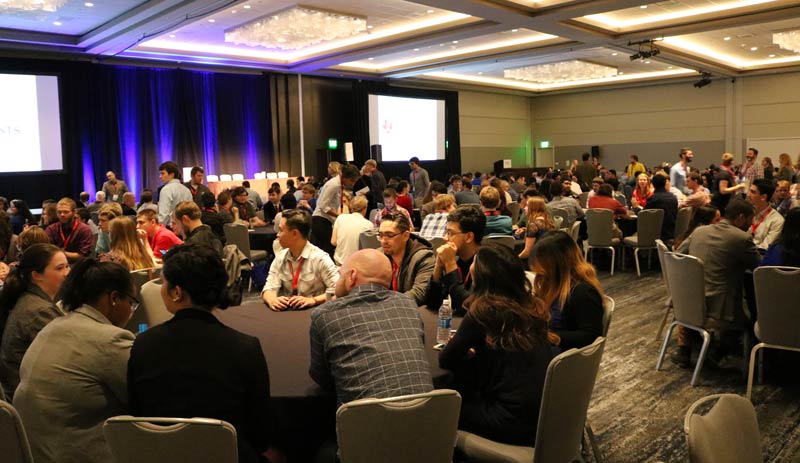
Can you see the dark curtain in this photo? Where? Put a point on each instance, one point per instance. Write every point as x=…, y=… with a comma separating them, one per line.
x=436, y=169
x=130, y=120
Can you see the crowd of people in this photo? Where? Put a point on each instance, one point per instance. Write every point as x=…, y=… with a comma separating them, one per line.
x=67, y=362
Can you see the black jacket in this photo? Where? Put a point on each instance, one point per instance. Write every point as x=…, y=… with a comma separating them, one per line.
x=663, y=199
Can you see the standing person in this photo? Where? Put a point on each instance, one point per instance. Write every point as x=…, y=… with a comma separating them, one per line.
x=171, y=193
x=69, y=233
x=195, y=185
x=634, y=167
x=330, y=204
x=411, y=257
x=724, y=184
x=348, y=228
x=500, y=353
x=785, y=170
x=768, y=222
x=73, y=377
x=418, y=179
x=585, y=172
x=769, y=169
x=27, y=304
x=114, y=188
x=752, y=169
x=680, y=171
x=376, y=177
x=211, y=370
x=161, y=239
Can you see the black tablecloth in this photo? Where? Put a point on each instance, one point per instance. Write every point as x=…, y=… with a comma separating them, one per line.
x=262, y=237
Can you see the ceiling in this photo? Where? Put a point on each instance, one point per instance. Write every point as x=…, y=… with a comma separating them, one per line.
x=464, y=42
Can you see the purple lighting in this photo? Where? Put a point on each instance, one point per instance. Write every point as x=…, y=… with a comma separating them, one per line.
x=129, y=128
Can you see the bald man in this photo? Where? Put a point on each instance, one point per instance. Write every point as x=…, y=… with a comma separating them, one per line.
x=369, y=341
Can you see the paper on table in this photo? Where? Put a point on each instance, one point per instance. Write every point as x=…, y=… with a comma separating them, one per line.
x=362, y=191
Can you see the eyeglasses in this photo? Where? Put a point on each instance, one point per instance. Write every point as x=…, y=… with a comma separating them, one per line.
x=133, y=302
x=448, y=233
x=388, y=235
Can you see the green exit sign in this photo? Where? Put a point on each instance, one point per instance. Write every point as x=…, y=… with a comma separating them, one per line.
x=333, y=143
x=544, y=144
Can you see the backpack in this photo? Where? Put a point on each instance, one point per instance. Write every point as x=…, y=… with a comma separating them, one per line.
x=235, y=264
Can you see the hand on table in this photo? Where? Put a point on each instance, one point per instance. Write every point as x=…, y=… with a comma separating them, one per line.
x=302, y=302
x=277, y=303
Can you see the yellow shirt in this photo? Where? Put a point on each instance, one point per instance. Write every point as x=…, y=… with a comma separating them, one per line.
x=633, y=168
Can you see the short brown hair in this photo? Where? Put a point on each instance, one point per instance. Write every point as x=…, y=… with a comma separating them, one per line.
x=112, y=207
x=490, y=197
x=67, y=202
x=187, y=208
x=443, y=202
x=309, y=188
x=148, y=214
x=399, y=219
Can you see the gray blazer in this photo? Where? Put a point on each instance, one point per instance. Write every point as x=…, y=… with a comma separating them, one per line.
x=74, y=377
x=727, y=252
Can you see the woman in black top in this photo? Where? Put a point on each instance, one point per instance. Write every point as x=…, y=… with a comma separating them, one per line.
x=193, y=365
x=500, y=353
x=569, y=287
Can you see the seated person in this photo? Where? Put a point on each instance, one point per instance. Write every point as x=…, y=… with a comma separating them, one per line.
x=434, y=225
x=435, y=189
x=212, y=217
x=69, y=233
x=73, y=377
x=404, y=200
x=244, y=210
x=560, y=200
x=539, y=224
x=496, y=224
x=104, y=218
x=348, y=227
x=451, y=276
x=604, y=199
x=309, y=200
x=569, y=287
x=500, y=353
x=129, y=247
x=768, y=222
x=301, y=272
x=193, y=365
x=666, y=201
x=273, y=205
x=698, y=194
x=368, y=332
x=186, y=221
x=411, y=259
x=785, y=251
x=161, y=239
x=390, y=206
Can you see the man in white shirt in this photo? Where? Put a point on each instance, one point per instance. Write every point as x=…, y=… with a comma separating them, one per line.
x=301, y=272
x=171, y=193
x=330, y=204
x=767, y=223
x=348, y=228
x=679, y=172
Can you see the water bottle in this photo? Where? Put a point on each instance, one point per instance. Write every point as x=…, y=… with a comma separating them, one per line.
x=445, y=320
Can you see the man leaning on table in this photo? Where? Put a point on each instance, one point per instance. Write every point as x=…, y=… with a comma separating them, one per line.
x=301, y=272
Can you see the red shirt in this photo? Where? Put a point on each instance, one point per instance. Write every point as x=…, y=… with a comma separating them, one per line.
x=163, y=240
x=606, y=202
x=405, y=202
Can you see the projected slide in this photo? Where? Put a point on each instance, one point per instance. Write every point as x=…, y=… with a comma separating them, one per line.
x=407, y=127
x=30, y=129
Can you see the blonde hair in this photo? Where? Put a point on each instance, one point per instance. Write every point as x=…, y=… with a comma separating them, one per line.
x=443, y=202
x=358, y=204
x=112, y=207
x=490, y=197
x=335, y=168
x=127, y=246
x=784, y=160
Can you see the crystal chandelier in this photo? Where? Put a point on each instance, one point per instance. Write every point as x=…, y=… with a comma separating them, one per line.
x=295, y=28
x=564, y=71
x=788, y=40
x=32, y=5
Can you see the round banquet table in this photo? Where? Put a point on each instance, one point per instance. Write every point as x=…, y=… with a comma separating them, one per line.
x=303, y=412
x=261, y=238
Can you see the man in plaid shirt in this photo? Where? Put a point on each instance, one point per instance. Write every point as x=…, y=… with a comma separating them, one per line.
x=752, y=169
x=369, y=341
x=435, y=225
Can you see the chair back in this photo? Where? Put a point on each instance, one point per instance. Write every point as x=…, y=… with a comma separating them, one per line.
x=682, y=221
x=237, y=177
x=212, y=178
x=142, y=276
x=237, y=234
x=153, y=311
x=575, y=231
x=608, y=312
x=558, y=212
x=14, y=445
x=505, y=240
x=599, y=225
x=436, y=242
x=567, y=391
x=687, y=287
x=368, y=239
x=557, y=221
x=167, y=440
x=648, y=227
x=583, y=199
x=662, y=249
x=514, y=208
x=225, y=178
x=777, y=293
x=728, y=432
x=620, y=197
x=419, y=427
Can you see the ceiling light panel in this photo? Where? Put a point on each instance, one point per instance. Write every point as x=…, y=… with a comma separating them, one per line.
x=74, y=17
x=384, y=19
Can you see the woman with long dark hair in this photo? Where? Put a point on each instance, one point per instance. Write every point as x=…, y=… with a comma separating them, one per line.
x=570, y=289
x=5, y=236
x=20, y=216
x=73, y=377
x=501, y=351
x=785, y=251
x=27, y=304
x=212, y=371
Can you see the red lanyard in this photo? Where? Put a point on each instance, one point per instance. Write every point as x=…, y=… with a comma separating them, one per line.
x=296, y=275
x=115, y=186
x=193, y=190
x=395, y=275
x=466, y=280
x=489, y=213
x=66, y=239
x=341, y=198
x=210, y=210
x=755, y=225
x=243, y=211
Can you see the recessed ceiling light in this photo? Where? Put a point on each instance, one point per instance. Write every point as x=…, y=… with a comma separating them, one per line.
x=669, y=67
x=620, y=73
x=753, y=48
x=416, y=49
x=172, y=36
x=369, y=27
x=211, y=20
x=644, y=7
x=514, y=30
x=772, y=56
x=370, y=59
x=246, y=7
x=56, y=23
x=480, y=73
x=726, y=38
x=88, y=4
x=647, y=62
x=430, y=11
x=233, y=11
x=614, y=54
x=455, y=41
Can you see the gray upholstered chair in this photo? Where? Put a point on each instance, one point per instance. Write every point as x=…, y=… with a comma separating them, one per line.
x=237, y=234
x=778, y=327
x=152, y=312
x=567, y=391
x=727, y=433
x=557, y=222
x=599, y=225
x=14, y=446
x=687, y=286
x=682, y=220
x=505, y=240
x=436, y=242
x=608, y=312
x=558, y=212
x=662, y=249
x=419, y=427
x=167, y=440
x=648, y=230
x=514, y=208
x=368, y=239
x=620, y=197
x=583, y=199
x=575, y=231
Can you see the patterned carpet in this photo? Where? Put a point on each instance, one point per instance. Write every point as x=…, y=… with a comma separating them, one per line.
x=637, y=413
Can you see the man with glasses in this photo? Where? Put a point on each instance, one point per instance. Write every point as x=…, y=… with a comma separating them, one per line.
x=411, y=259
x=244, y=210
x=465, y=229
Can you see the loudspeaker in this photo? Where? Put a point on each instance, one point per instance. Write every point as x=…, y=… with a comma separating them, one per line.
x=595, y=151
x=375, y=153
